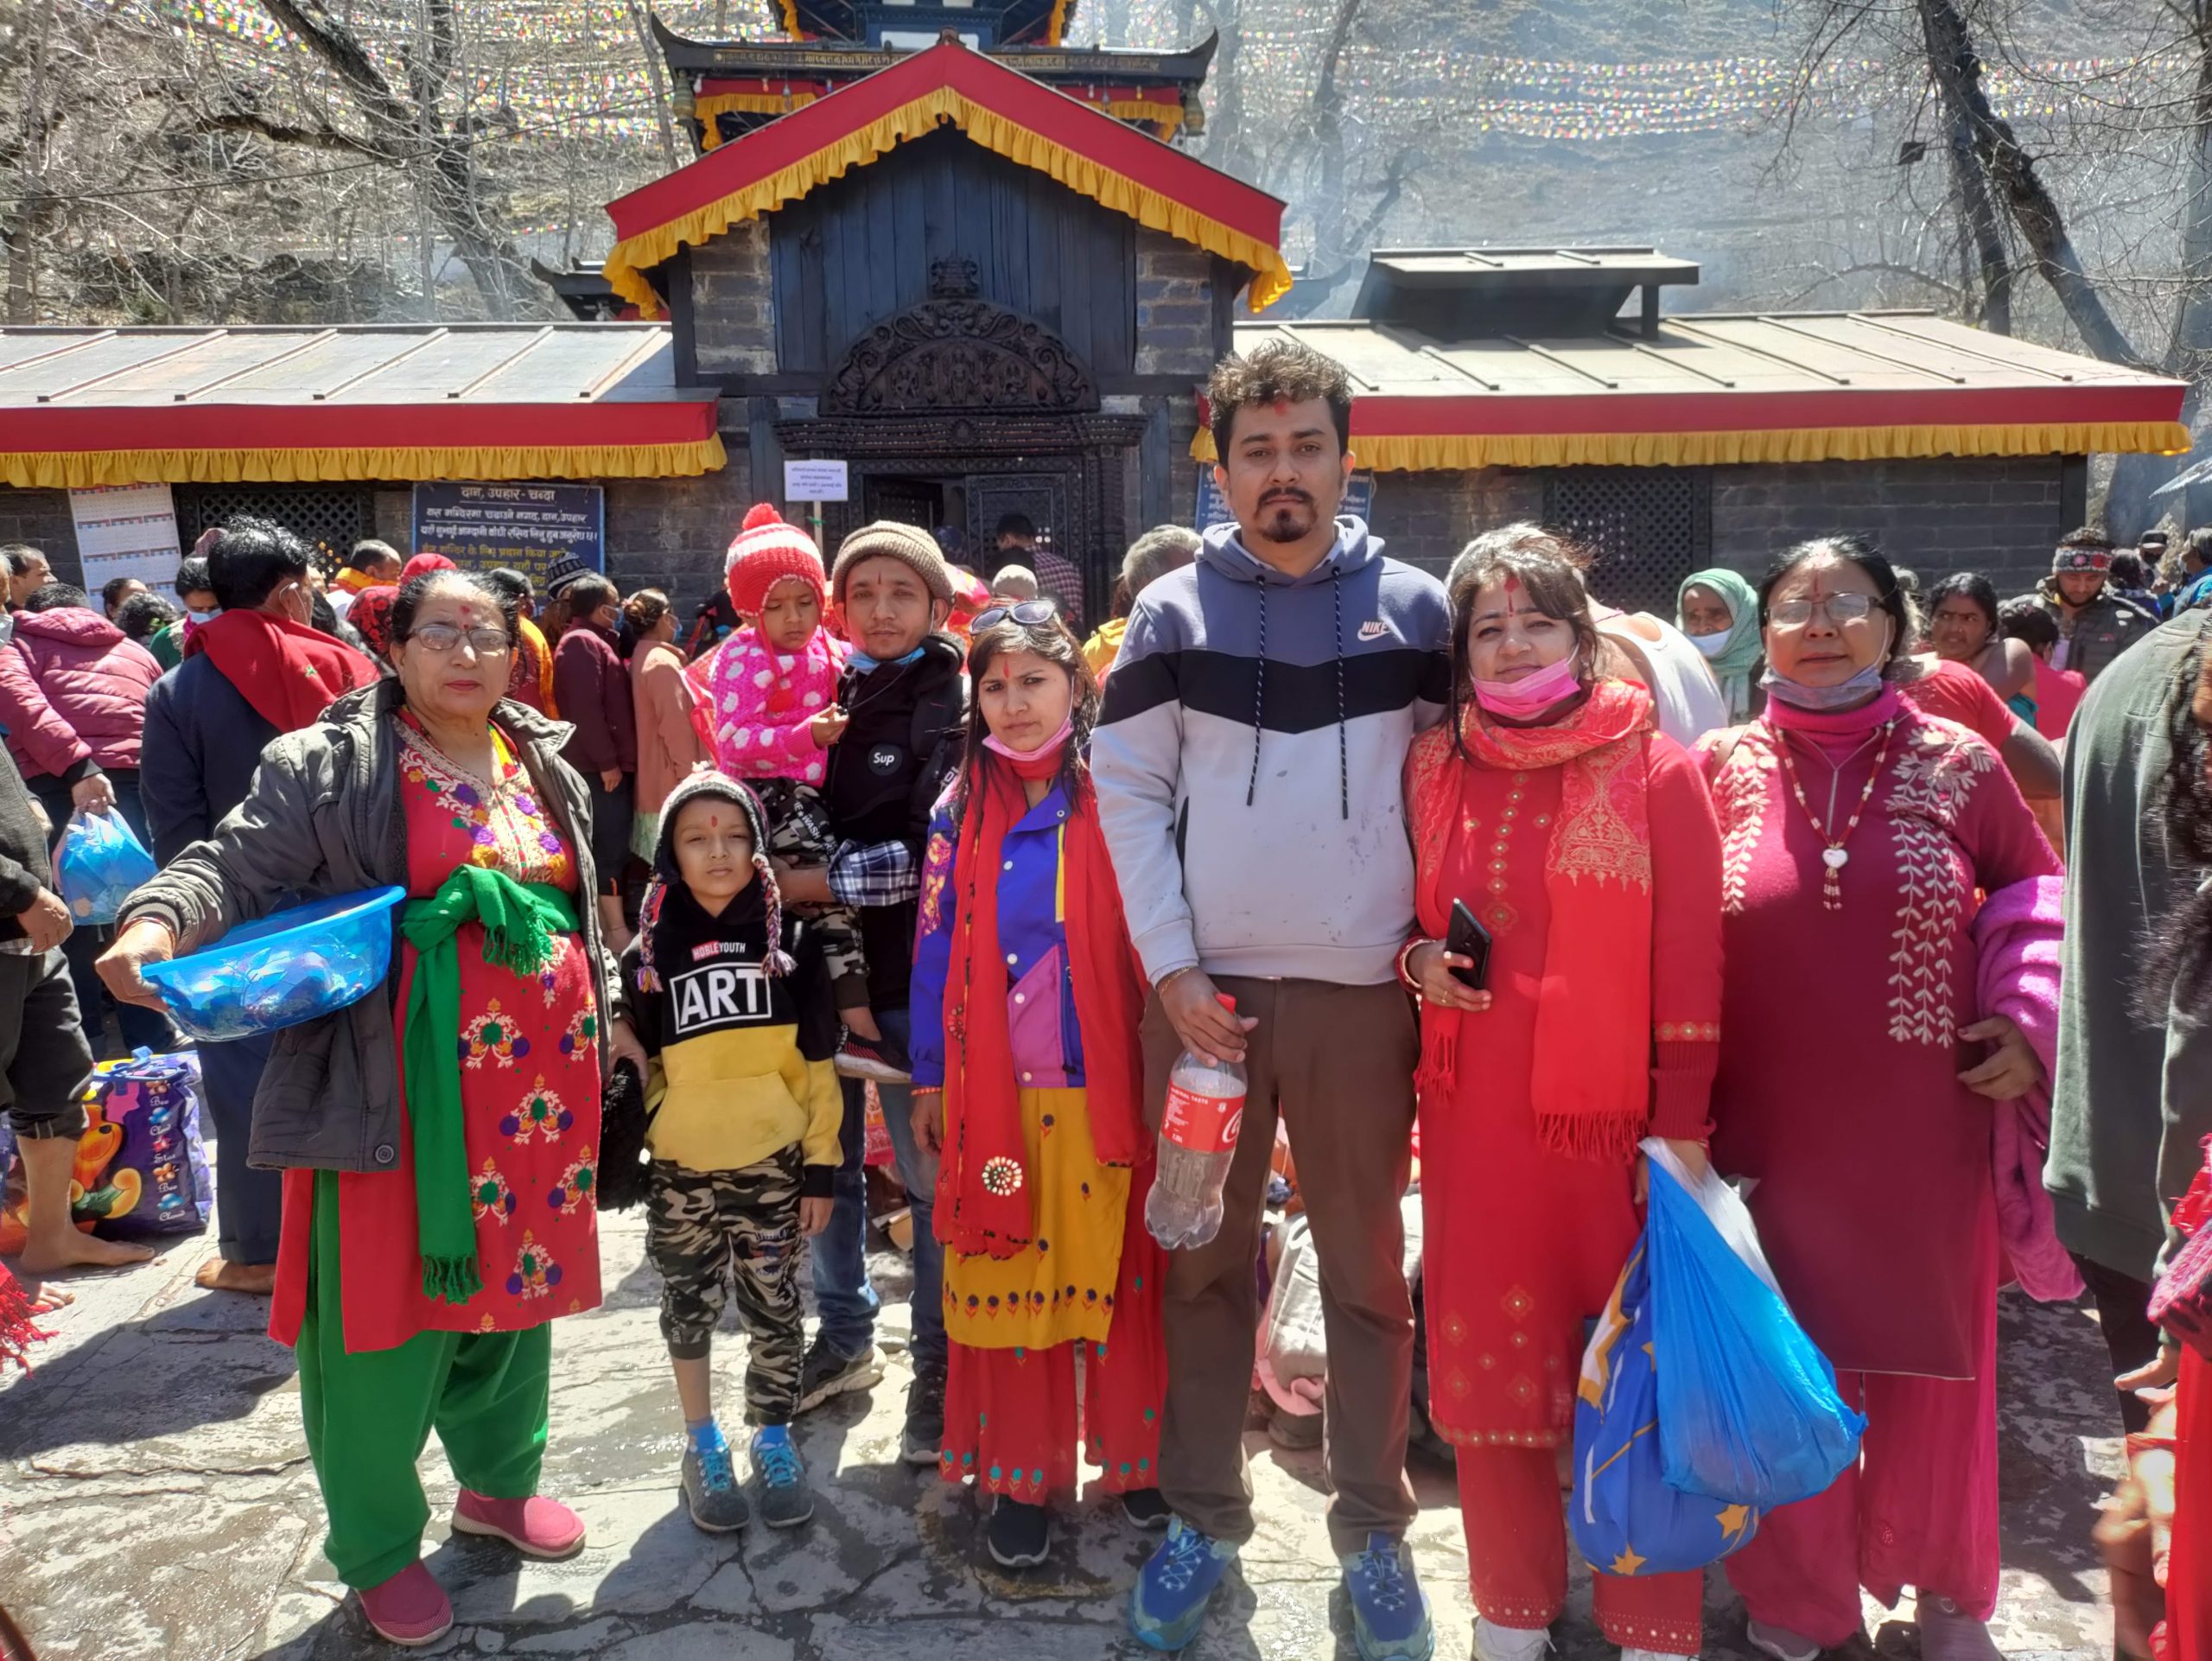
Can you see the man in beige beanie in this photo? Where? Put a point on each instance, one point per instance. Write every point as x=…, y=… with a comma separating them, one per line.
x=905, y=692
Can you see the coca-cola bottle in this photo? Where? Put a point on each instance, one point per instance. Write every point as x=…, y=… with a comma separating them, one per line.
x=1197, y=1140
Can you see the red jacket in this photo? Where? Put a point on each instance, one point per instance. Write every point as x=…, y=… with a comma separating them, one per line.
x=592, y=688
x=73, y=688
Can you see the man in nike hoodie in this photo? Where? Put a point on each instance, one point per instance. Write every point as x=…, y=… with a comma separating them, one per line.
x=1247, y=764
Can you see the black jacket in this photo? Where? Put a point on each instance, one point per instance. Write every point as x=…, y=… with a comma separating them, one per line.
x=24, y=865
x=885, y=775
x=202, y=742
x=324, y=817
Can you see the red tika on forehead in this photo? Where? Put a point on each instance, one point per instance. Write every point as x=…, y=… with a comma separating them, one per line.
x=1512, y=584
x=1282, y=406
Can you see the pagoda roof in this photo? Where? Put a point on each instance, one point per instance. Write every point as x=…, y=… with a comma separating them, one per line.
x=101, y=406
x=1042, y=22
x=845, y=59
x=1004, y=110
x=1719, y=388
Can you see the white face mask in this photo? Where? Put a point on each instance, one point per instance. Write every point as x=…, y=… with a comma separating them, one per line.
x=1712, y=645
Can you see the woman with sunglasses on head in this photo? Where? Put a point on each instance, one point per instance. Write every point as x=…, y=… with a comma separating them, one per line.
x=1029, y=1078
x=439, y=1136
x=1581, y=839
x=1868, y=1059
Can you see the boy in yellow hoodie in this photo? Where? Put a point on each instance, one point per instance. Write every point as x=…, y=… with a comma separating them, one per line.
x=735, y=1001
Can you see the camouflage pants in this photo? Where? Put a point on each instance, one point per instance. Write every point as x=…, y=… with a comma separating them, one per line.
x=799, y=835
x=717, y=1234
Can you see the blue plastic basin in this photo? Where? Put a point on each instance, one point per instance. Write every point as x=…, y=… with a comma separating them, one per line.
x=291, y=966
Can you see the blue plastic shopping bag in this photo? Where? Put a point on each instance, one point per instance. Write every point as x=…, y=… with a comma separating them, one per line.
x=99, y=862
x=1627, y=1518
x=1748, y=1407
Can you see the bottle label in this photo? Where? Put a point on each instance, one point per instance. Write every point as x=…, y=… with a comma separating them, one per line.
x=1202, y=1124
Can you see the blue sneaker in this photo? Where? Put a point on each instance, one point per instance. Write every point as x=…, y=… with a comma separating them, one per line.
x=1169, y=1600
x=710, y=1490
x=1389, y=1614
x=785, y=1500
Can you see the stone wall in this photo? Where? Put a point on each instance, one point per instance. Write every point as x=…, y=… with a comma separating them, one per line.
x=40, y=519
x=1998, y=516
x=732, y=320
x=1175, y=306
x=1426, y=518
x=672, y=534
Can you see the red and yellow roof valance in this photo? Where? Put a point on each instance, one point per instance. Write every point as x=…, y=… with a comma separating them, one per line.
x=1413, y=433
x=760, y=95
x=46, y=447
x=1006, y=112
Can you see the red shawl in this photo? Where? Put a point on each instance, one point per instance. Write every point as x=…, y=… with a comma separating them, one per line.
x=1591, y=1084
x=288, y=672
x=983, y=1200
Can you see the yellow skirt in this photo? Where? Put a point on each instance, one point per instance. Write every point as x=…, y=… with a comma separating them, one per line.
x=1056, y=1290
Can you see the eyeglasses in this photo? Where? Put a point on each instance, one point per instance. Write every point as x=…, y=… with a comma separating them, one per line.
x=1028, y=613
x=443, y=637
x=1838, y=609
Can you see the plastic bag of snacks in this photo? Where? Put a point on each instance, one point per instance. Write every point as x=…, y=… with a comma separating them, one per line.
x=99, y=861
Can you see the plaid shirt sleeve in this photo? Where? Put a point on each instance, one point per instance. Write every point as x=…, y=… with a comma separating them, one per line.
x=874, y=874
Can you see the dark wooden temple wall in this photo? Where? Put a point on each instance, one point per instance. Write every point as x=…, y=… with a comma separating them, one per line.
x=848, y=255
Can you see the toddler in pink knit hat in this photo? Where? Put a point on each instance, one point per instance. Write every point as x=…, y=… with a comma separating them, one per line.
x=768, y=707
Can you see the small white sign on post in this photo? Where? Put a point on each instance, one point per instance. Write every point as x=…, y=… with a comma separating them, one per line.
x=815, y=482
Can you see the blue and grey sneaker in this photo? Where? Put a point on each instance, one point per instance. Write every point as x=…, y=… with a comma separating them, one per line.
x=785, y=1500
x=1389, y=1614
x=1169, y=1600
x=710, y=1490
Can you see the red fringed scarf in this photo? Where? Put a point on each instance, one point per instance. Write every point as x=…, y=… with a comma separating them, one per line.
x=288, y=672
x=983, y=1199
x=1591, y=1084
x=17, y=1330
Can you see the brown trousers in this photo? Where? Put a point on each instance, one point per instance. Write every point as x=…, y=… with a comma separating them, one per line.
x=1338, y=1063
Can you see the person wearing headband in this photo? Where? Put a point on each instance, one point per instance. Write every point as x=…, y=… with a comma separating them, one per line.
x=1029, y=1085
x=2097, y=623
x=1581, y=837
x=1873, y=1049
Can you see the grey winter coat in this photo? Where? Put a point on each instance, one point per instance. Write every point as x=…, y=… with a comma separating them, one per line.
x=323, y=818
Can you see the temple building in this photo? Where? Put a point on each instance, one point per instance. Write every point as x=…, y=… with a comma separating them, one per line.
x=981, y=269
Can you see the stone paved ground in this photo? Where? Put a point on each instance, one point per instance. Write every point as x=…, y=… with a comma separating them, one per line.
x=155, y=1501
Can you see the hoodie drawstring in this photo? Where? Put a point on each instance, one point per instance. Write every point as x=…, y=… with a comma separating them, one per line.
x=1344, y=760
x=1260, y=700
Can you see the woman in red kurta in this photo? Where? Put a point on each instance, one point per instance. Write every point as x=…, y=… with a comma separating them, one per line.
x=1582, y=839
x=1856, y=1088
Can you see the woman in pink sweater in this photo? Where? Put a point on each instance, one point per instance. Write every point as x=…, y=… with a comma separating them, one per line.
x=669, y=744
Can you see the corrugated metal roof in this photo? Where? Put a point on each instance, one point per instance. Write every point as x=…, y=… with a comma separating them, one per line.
x=1800, y=351
x=454, y=366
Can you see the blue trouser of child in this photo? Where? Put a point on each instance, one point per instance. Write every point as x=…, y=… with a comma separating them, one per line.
x=841, y=1293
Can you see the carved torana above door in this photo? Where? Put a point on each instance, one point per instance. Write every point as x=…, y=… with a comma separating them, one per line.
x=956, y=351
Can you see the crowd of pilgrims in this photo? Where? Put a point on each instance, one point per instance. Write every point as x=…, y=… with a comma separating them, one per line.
x=1776, y=880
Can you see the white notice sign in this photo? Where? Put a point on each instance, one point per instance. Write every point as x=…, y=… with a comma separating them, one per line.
x=126, y=531
x=815, y=481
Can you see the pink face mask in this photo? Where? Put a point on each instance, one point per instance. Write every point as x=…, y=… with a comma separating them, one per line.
x=1517, y=700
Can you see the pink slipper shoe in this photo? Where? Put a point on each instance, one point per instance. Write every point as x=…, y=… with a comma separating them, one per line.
x=536, y=1527
x=410, y=1608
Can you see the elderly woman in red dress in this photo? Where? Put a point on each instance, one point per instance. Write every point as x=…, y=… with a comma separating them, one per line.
x=1857, y=1088
x=1582, y=839
x=439, y=1139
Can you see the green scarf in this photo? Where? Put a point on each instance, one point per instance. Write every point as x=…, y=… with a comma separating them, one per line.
x=521, y=922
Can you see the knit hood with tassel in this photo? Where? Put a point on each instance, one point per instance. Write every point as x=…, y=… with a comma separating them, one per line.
x=736, y=1008
x=1249, y=754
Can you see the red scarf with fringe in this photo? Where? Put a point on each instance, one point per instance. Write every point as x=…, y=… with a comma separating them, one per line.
x=983, y=1183
x=288, y=672
x=1591, y=1080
